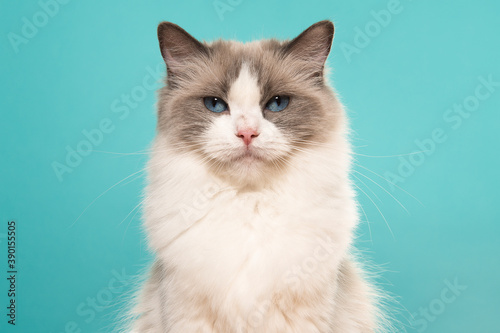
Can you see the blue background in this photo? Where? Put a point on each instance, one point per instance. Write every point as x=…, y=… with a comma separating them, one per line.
x=77, y=233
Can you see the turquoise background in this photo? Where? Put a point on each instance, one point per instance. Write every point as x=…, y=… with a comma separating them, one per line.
x=76, y=235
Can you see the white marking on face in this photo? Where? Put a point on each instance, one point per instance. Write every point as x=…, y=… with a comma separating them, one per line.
x=243, y=100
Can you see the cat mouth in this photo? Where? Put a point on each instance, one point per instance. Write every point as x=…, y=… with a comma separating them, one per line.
x=248, y=156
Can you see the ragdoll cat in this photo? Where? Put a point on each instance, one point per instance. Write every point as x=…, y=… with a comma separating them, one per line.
x=249, y=208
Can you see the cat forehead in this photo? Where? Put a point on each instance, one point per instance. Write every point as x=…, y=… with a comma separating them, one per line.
x=239, y=64
x=244, y=92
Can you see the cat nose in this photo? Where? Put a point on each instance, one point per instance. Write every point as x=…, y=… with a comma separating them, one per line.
x=247, y=135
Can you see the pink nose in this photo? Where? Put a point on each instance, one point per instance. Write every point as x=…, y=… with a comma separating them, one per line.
x=247, y=134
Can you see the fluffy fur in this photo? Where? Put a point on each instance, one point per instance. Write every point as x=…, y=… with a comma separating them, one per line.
x=251, y=238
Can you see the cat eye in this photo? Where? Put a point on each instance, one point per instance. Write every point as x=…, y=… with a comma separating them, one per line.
x=215, y=104
x=277, y=103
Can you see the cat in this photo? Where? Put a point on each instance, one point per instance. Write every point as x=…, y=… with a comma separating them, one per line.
x=249, y=208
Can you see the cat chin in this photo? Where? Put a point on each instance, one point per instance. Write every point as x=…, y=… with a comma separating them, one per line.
x=247, y=170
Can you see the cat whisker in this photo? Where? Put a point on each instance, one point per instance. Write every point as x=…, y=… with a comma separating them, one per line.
x=385, y=190
x=392, y=196
x=373, y=202
x=329, y=145
x=103, y=193
x=369, y=188
x=366, y=217
x=373, y=172
x=137, y=206
x=136, y=211
x=378, y=209
x=122, y=154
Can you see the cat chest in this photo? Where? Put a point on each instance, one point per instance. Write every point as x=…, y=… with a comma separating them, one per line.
x=247, y=249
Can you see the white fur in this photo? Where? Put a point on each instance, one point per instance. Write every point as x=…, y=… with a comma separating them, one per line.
x=236, y=259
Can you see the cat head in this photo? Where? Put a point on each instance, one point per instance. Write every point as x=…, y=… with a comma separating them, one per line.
x=246, y=109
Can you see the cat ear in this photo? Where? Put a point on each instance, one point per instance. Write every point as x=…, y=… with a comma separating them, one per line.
x=313, y=44
x=177, y=46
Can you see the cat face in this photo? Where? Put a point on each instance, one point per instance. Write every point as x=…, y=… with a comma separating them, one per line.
x=246, y=109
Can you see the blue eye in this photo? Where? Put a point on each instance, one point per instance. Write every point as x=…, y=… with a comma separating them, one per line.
x=215, y=104
x=277, y=103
